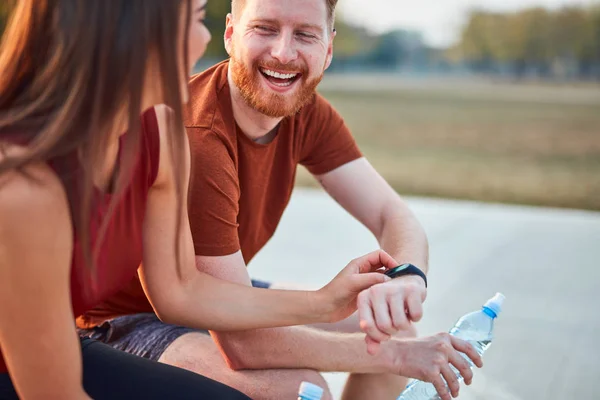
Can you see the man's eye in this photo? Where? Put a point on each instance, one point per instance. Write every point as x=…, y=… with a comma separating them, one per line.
x=305, y=35
x=265, y=29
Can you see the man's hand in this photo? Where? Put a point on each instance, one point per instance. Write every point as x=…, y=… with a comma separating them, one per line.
x=390, y=307
x=428, y=359
x=340, y=295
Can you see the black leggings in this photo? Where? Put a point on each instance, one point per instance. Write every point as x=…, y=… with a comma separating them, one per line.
x=113, y=374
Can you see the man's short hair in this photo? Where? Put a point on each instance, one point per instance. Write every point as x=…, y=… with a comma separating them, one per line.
x=237, y=6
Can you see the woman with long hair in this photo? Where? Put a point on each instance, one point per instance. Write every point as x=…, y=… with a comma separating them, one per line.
x=94, y=165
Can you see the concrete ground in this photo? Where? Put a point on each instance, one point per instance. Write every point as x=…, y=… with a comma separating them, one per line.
x=546, y=262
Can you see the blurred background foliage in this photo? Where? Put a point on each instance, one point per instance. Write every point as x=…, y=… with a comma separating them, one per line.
x=545, y=44
x=5, y=7
x=509, y=113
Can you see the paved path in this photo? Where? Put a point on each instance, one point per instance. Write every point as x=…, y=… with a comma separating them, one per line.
x=545, y=261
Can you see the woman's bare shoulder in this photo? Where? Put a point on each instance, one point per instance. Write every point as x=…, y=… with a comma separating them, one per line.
x=33, y=202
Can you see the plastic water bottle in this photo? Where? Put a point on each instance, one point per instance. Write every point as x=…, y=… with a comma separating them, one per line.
x=309, y=391
x=477, y=329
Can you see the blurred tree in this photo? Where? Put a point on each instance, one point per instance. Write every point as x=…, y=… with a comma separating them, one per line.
x=595, y=38
x=570, y=36
x=389, y=51
x=399, y=48
x=568, y=31
x=350, y=46
x=535, y=41
x=349, y=40
x=5, y=8
x=216, y=12
x=501, y=46
x=532, y=42
x=588, y=50
x=476, y=46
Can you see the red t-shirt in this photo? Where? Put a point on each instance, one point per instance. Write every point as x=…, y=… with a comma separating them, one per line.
x=121, y=251
x=239, y=189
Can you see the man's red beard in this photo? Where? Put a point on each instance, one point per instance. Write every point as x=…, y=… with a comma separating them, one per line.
x=272, y=104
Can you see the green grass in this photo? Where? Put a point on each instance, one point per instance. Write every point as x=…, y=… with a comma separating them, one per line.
x=488, y=142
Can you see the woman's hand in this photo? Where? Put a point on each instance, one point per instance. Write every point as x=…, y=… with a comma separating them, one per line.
x=339, y=296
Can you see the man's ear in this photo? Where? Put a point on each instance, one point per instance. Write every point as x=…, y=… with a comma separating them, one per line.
x=228, y=33
x=330, y=49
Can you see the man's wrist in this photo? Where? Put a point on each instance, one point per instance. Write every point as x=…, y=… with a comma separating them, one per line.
x=390, y=355
x=407, y=269
x=414, y=278
x=357, y=360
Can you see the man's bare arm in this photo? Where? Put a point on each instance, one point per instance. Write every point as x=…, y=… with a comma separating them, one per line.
x=361, y=191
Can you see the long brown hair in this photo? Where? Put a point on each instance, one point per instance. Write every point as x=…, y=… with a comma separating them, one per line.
x=68, y=67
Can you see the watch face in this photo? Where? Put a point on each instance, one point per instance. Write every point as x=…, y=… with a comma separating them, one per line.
x=392, y=273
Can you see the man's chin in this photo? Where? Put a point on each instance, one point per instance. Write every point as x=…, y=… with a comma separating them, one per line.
x=277, y=105
x=275, y=110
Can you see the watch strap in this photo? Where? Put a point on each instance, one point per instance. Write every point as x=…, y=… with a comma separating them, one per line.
x=406, y=269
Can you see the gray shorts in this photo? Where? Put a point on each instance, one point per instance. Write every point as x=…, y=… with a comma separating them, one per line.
x=142, y=335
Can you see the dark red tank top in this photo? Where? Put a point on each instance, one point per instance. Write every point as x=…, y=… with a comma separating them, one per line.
x=121, y=250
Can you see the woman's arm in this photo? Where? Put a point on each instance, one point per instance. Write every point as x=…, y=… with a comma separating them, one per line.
x=37, y=331
x=199, y=300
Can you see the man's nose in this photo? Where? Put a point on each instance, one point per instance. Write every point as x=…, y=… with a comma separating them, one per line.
x=284, y=49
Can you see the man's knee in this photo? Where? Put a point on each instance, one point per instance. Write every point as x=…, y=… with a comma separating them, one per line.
x=274, y=384
x=198, y=353
x=193, y=351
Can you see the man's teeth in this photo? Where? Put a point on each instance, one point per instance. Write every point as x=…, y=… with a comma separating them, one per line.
x=284, y=84
x=278, y=75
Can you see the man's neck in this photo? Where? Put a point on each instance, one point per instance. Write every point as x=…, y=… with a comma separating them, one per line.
x=255, y=125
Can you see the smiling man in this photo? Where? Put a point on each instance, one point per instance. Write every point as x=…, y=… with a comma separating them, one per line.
x=252, y=120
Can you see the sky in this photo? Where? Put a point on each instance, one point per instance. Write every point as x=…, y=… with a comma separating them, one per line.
x=439, y=20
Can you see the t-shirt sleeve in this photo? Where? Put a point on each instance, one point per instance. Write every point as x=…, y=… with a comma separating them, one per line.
x=214, y=195
x=327, y=143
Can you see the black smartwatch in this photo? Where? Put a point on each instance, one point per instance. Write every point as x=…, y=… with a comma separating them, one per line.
x=406, y=269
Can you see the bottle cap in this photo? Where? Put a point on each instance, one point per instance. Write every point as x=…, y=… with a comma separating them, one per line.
x=310, y=391
x=495, y=303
